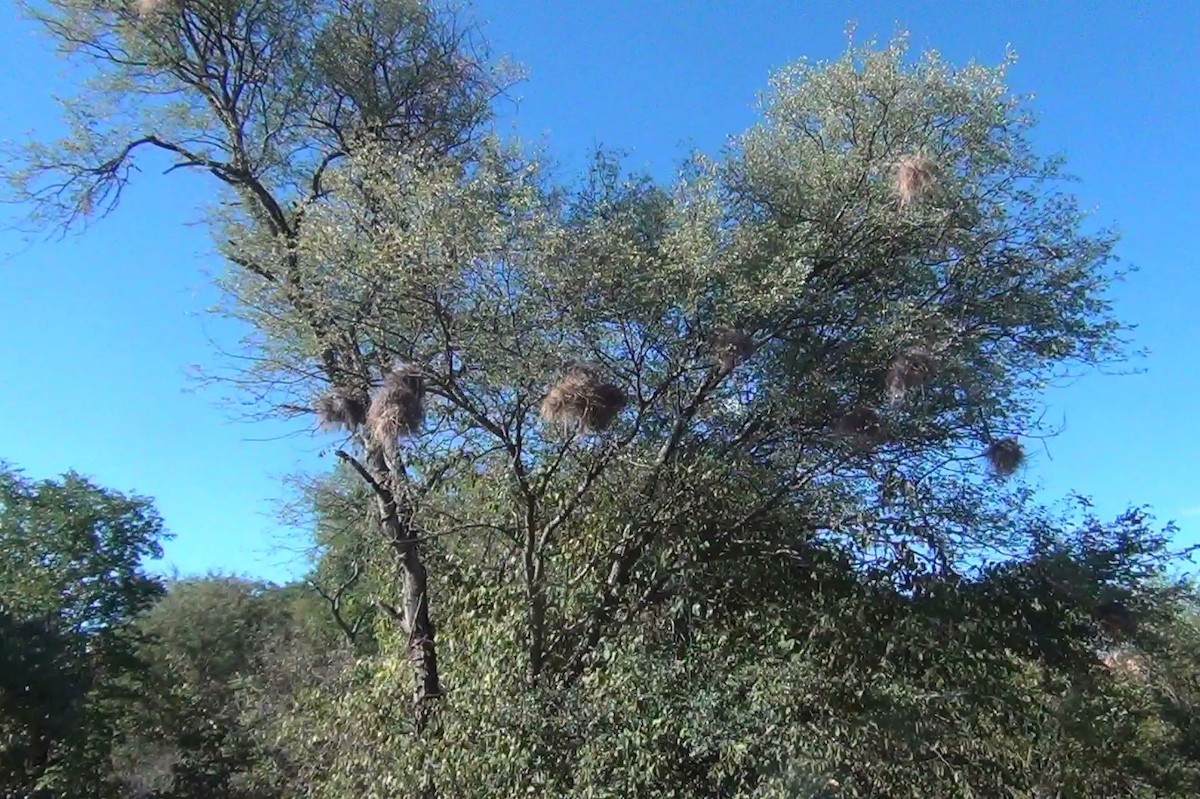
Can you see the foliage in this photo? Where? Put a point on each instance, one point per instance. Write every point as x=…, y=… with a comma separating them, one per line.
x=350, y=573
x=71, y=584
x=223, y=652
x=74, y=551
x=260, y=95
x=786, y=573
x=956, y=686
x=43, y=692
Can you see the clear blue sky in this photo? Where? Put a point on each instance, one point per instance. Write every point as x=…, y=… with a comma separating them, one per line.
x=97, y=333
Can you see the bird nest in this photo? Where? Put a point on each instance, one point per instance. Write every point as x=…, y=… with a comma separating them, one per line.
x=582, y=398
x=146, y=8
x=341, y=407
x=1005, y=456
x=731, y=348
x=398, y=407
x=907, y=371
x=1116, y=619
x=915, y=176
x=862, y=424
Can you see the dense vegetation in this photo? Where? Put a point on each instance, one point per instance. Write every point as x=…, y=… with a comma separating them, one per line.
x=704, y=489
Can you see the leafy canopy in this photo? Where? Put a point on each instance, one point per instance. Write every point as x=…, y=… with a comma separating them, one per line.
x=785, y=561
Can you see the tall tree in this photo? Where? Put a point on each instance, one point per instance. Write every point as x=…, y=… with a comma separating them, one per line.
x=822, y=326
x=266, y=97
x=580, y=405
x=72, y=581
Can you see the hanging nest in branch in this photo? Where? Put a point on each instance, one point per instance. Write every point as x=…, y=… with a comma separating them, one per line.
x=341, y=407
x=582, y=398
x=730, y=348
x=145, y=8
x=1116, y=619
x=861, y=423
x=398, y=407
x=1005, y=456
x=915, y=175
x=909, y=370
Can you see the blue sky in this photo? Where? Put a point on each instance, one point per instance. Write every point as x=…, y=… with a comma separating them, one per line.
x=98, y=333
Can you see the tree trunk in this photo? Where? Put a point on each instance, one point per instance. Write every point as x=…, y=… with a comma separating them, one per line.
x=385, y=475
x=422, y=651
x=536, y=598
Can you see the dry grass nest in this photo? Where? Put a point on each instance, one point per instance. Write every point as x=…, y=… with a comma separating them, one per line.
x=915, y=176
x=145, y=8
x=583, y=398
x=731, y=348
x=342, y=407
x=909, y=370
x=862, y=423
x=1116, y=619
x=1005, y=456
x=398, y=408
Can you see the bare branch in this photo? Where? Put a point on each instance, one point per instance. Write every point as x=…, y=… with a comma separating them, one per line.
x=334, y=601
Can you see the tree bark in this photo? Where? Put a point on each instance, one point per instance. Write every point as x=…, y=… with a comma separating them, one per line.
x=395, y=519
x=536, y=597
x=418, y=624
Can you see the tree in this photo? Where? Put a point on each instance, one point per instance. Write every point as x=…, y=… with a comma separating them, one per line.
x=71, y=567
x=790, y=674
x=42, y=692
x=223, y=654
x=266, y=98
x=582, y=414
x=489, y=283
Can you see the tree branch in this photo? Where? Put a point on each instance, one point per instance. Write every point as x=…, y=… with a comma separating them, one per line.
x=380, y=490
x=335, y=602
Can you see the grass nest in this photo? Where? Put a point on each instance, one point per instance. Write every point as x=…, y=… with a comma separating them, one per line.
x=731, y=348
x=398, y=408
x=145, y=8
x=915, y=176
x=1116, y=619
x=582, y=398
x=908, y=371
x=1005, y=456
x=342, y=407
x=861, y=423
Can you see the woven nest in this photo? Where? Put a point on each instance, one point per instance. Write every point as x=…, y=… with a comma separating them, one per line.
x=915, y=175
x=145, y=8
x=1005, y=456
x=1116, y=619
x=398, y=407
x=583, y=399
x=341, y=407
x=730, y=348
x=862, y=423
x=907, y=371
